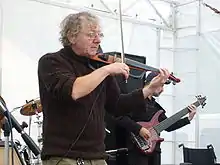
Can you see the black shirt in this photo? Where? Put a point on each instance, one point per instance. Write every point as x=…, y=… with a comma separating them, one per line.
x=64, y=118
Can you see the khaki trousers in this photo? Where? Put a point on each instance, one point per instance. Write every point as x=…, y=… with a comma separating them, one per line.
x=66, y=161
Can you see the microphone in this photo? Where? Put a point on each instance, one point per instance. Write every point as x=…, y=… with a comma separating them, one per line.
x=27, y=139
x=116, y=151
x=107, y=130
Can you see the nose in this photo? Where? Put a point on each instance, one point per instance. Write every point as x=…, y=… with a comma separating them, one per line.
x=97, y=39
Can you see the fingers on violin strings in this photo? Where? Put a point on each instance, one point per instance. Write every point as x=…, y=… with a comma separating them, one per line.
x=126, y=74
x=162, y=76
x=127, y=69
x=162, y=73
x=165, y=72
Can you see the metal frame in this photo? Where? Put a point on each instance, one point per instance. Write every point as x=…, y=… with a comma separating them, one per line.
x=106, y=6
x=113, y=15
x=106, y=14
x=158, y=13
x=130, y=6
x=1, y=43
x=174, y=26
x=198, y=33
x=183, y=4
x=174, y=5
x=174, y=49
x=179, y=49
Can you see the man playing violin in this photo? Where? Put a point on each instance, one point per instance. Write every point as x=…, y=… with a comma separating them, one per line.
x=74, y=97
x=129, y=122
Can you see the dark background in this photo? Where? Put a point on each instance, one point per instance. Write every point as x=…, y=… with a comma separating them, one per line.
x=117, y=138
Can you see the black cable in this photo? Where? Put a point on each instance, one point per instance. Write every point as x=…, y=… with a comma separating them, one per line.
x=13, y=122
x=83, y=128
x=12, y=141
x=8, y=117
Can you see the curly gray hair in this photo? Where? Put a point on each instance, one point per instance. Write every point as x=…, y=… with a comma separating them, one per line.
x=72, y=25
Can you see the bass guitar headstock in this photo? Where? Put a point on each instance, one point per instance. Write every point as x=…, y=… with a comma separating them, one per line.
x=201, y=100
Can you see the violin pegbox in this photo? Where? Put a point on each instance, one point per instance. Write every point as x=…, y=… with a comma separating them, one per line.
x=170, y=81
x=201, y=100
x=173, y=82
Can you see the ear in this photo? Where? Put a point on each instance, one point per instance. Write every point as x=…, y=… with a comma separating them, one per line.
x=71, y=38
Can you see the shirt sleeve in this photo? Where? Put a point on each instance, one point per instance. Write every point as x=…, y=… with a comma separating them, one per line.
x=120, y=104
x=55, y=77
x=129, y=124
x=178, y=124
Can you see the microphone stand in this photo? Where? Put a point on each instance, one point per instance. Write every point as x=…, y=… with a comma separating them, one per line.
x=7, y=131
x=27, y=139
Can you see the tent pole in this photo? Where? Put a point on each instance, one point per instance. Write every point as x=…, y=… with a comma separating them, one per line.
x=183, y=4
x=158, y=13
x=1, y=45
x=174, y=27
x=198, y=33
x=158, y=32
x=101, y=13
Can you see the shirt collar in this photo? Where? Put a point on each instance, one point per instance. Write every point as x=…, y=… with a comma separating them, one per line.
x=72, y=55
x=150, y=100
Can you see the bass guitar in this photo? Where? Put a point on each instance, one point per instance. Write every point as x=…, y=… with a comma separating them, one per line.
x=147, y=146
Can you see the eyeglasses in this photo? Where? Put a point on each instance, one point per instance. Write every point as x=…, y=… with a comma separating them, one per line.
x=93, y=35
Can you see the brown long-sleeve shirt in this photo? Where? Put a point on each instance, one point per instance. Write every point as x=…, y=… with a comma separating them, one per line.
x=64, y=118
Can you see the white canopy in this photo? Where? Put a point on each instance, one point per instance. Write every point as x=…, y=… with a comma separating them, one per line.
x=182, y=36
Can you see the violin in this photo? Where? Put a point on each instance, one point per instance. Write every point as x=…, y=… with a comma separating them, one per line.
x=108, y=59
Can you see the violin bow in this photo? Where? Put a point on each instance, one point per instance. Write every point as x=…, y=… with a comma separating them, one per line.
x=121, y=31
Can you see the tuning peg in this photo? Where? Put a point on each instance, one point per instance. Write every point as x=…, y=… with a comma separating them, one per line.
x=198, y=96
x=203, y=105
